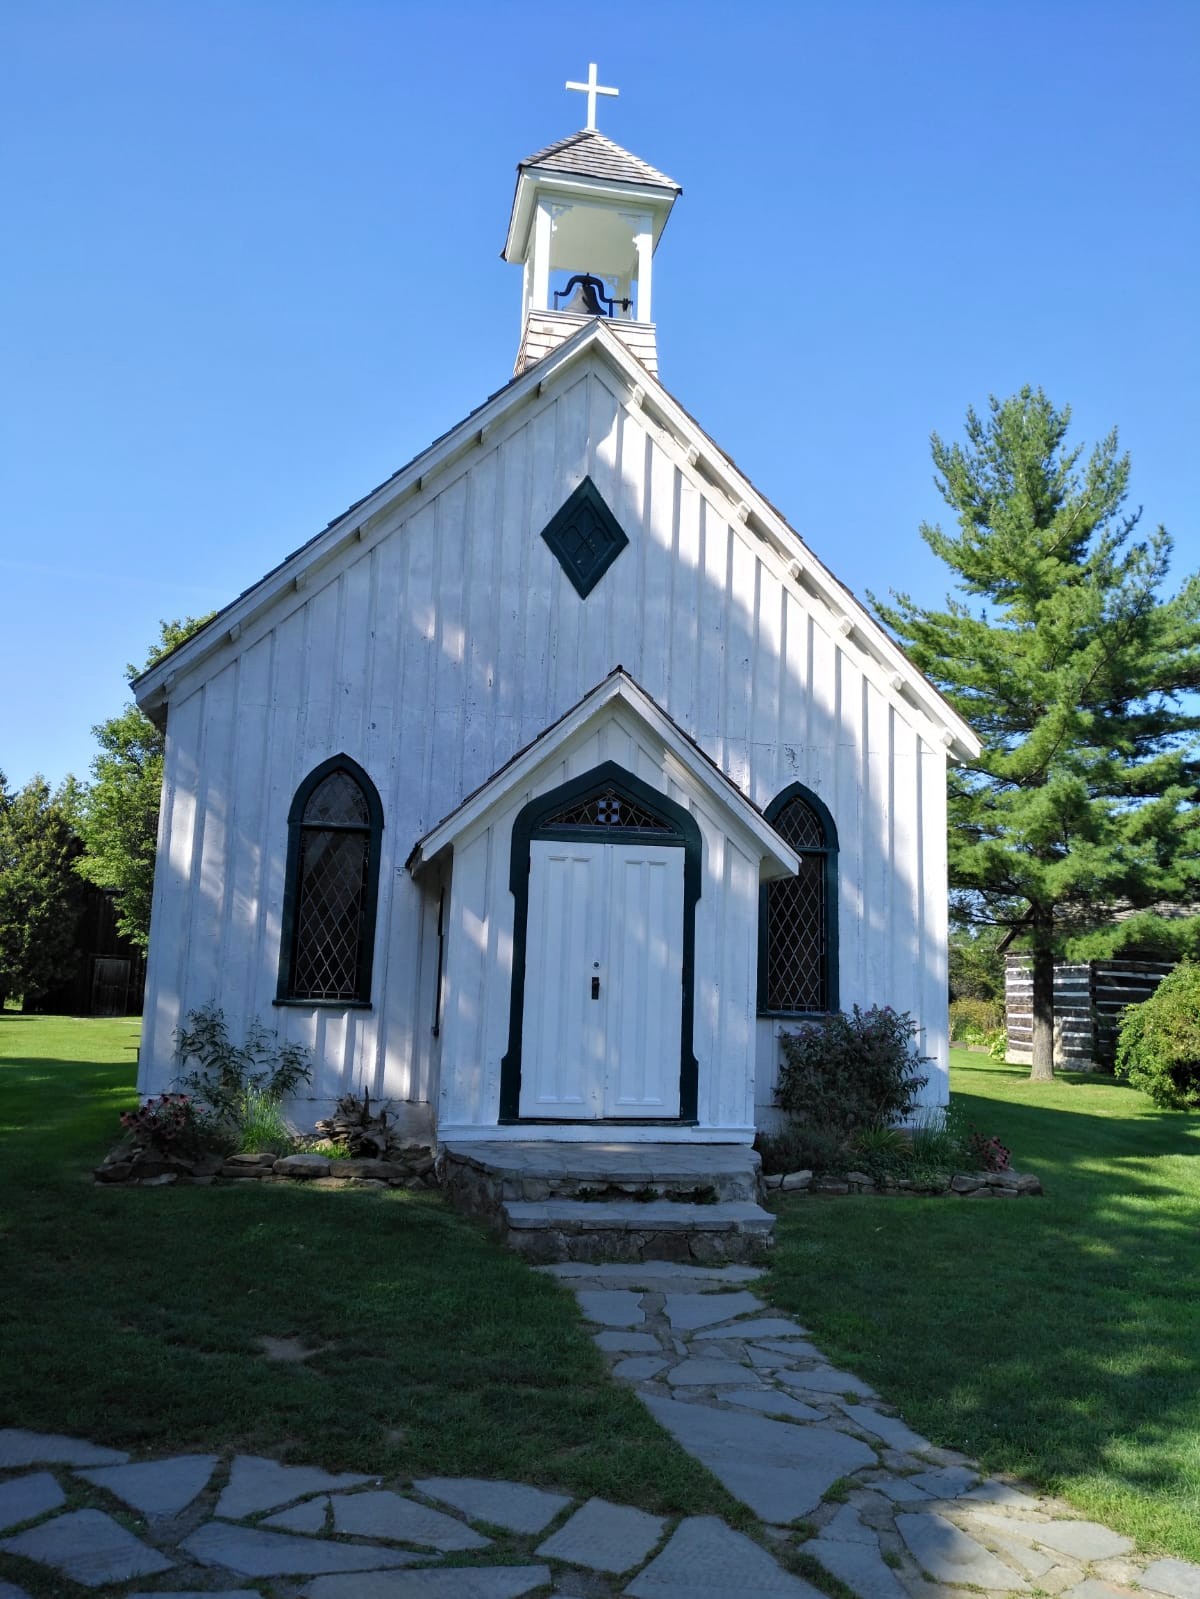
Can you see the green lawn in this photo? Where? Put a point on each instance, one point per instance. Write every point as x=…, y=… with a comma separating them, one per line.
x=131, y=1317
x=1057, y=1338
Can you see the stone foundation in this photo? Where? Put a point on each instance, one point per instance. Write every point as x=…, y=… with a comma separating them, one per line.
x=959, y=1185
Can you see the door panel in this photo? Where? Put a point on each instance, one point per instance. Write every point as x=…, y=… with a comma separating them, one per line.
x=645, y=982
x=562, y=1051
x=603, y=981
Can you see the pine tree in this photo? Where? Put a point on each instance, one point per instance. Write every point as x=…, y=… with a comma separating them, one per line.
x=1074, y=670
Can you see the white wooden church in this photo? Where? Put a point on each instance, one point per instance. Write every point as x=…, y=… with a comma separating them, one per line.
x=544, y=789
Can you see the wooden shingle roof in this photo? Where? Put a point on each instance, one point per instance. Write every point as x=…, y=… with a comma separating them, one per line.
x=589, y=154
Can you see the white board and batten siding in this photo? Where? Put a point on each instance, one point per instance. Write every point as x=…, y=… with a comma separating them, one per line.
x=444, y=640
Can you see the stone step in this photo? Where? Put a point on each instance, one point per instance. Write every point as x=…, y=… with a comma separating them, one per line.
x=538, y=1170
x=628, y=1230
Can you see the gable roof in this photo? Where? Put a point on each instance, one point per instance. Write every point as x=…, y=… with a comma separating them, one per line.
x=588, y=154
x=778, y=859
x=697, y=456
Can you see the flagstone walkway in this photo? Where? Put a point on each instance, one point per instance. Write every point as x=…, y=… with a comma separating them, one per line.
x=829, y=1472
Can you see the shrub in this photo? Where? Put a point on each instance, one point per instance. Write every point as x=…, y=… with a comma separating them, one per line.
x=226, y=1072
x=843, y=1073
x=174, y=1124
x=797, y=1148
x=1158, y=1045
x=972, y=1020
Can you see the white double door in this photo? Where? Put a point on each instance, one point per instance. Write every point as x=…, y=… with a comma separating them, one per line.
x=600, y=1034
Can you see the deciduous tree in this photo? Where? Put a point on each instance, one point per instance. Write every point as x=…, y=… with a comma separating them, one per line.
x=39, y=893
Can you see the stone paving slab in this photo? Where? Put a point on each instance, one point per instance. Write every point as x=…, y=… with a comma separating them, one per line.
x=639, y=1368
x=604, y=1537
x=1179, y=1578
x=512, y=1505
x=89, y=1547
x=626, y=1343
x=611, y=1307
x=613, y=1274
x=947, y=1482
x=156, y=1487
x=781, y=1471
x=686, y=1312
x=21, y=1448
x=9, y=1590
x=1080, y=1540
x=828, y=1380
x=705, y=1559
x=192, y=1593
x=484, y=1582
x=847, y=1527
x=890, y=1428
x=252, y=1552
x=26, y=1497
x=771, y=1403
x=256, y=1483
x=310, y=1515
x=860, y=1566
x=756, y=1327
x=948, y=1555
x=384, y=1514
x=706, y=1373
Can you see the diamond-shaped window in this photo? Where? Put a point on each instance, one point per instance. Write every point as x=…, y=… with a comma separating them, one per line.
x=586, y=537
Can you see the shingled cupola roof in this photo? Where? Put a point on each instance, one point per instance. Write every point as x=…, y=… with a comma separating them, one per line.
x=588, y=154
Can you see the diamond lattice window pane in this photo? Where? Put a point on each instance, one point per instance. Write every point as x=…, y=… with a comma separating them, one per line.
x=611, y=812
x=799, y=825
x=329, y=915
x=337, y=802
x=796, y=939
x=586, y=537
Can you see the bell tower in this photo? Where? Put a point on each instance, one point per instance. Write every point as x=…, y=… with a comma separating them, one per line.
x=586, y=220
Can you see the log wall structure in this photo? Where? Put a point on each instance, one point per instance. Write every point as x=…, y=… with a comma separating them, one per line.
x=1089, y=998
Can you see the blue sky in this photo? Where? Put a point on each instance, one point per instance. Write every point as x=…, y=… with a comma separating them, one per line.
x=252, y=265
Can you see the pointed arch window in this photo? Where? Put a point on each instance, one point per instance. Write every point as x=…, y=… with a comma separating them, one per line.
x=332, y=888
x=797, y=949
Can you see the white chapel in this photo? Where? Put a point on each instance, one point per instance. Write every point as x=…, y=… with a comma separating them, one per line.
x=544, y=789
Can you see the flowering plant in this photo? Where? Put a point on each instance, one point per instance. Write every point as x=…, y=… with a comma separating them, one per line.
x=172, y=1124
x=989, y=1154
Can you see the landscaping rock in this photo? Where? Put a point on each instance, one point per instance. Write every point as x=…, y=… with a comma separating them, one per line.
x=258, y=1484
x=604, y=1537
x=948, y=1555
x=302, y=1166
x=21, y=1448
x=779, y=1470
x=483, y=1582
x=1179, y=1578
x=383, y=1170
x=159, y=1487
x=794, y=1181
x=705, y=1559
x=89, y=1547
x=389, y=1515
x=26, y=1497
x=252, y=1552
x=511, y=1505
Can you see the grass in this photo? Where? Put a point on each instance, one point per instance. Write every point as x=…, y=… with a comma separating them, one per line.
x=133, y=1316
x=1055, y=1338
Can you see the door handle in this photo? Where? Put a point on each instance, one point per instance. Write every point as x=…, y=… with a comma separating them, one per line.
x=595, y=988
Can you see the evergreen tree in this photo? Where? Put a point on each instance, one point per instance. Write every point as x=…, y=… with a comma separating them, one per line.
x=40, y=895
x=1074, y=670
x=118, y=814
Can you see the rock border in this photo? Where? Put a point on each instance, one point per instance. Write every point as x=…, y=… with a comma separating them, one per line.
x=414, y=1167
x=1005, y=1184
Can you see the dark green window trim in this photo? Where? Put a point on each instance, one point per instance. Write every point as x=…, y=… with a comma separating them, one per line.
x=361, y=998
x=830, y=976
x=683, y=831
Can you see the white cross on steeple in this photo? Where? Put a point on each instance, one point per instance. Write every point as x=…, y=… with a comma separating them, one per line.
x=591, y=88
